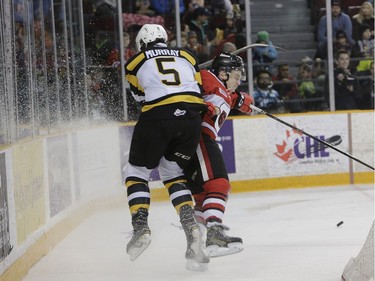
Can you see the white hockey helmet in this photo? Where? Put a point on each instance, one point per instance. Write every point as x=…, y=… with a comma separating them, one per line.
x=150, y=33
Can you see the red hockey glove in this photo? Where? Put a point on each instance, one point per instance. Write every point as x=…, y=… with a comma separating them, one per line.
x=244, y=101
x=212, y=110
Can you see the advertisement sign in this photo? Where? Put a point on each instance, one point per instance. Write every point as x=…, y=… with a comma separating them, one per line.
x=59, y=177
x=5, y=246
x=291, y=151
x=226, y=143
x=28, y=184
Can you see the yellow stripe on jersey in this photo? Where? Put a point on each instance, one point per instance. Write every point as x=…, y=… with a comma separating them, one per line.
x=135, y=62
x=132, y=79
x=174, y=99
x=189, y=57
x=198, y=77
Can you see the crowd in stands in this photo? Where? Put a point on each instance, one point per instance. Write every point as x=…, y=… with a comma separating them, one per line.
x=210, y=27
x=214, y=26
x=353, y=52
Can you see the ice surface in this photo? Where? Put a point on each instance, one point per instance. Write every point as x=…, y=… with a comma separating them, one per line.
x=289, y=235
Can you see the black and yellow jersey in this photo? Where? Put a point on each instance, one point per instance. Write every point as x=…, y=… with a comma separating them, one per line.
x=163, y=80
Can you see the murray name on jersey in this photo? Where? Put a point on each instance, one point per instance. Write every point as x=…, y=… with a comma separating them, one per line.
x=162, y=52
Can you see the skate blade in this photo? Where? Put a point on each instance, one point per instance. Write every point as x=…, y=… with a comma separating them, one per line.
x=214, y=251
x=138, y=248
x=193, y=265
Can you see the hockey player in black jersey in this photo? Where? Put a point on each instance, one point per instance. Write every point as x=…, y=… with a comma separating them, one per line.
x=167, y=83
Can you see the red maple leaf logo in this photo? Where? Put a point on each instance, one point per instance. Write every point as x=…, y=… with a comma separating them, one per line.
x=282, y=152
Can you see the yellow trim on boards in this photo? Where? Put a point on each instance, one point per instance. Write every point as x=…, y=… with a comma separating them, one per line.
x=160, y=194
x=301, y=182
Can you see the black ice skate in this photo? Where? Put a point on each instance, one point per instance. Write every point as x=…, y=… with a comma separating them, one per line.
x=141, y=235
x=196, y=259
x=218, y=243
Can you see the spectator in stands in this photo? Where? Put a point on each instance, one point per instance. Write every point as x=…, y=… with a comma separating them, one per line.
x=342, y=42
x=166, y=7
x=223, y=7
x=365, y=16
x=185, y=28
x=285, y=85
x=263, y=56
x=114, y=55
x=345, y=83
x=200, y=51
x=306, y=88
x=264, y=95
x=184, y=40
x=318, y=75
x=172, y=34
x=340, y=21
x=364, y=48
x=143, y=7
x=191, y=6
x=366, y=87
x=229, y=47
x=230, y=43
x=319, y=69
x=232, y=25
x=236, y=10
x=199, y=24
x=205, y=36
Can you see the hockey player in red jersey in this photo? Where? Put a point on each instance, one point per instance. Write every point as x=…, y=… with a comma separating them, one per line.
x=207, y=174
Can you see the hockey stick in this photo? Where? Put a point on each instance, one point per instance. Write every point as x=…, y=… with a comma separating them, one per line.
x=207, y=63
x=253, y=107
